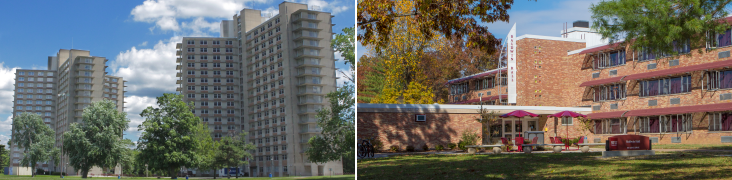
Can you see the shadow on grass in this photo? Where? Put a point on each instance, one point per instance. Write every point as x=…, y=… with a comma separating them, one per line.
x=547, y=166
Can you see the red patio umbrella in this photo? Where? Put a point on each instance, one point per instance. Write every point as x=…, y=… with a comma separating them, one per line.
x=567, y=114
x=519, y=114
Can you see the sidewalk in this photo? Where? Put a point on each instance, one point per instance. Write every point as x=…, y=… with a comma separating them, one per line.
x=383, y=155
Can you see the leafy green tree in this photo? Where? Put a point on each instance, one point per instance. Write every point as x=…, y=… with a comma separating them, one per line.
x=338, y=135
x=232, y=150
x=167, y=141
x=97, y=141
x=371, y=75
x=655, y=25
x=345, y=43
x=4, y=158
x=207, y=149
x=35, y=138
x=128, y=160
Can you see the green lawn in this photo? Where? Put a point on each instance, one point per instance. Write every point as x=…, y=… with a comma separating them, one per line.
x=673, y=165
x=45, y=177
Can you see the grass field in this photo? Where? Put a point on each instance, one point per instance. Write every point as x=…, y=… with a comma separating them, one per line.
x=46, y=177
x=673, y=165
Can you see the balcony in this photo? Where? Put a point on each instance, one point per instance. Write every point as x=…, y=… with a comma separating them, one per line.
x=178, y=81
x=178, y=89
x=178, y=74
x=178, y=67
x=178, y=60
x=311, y=130
x=178, y=45
x=178, y=52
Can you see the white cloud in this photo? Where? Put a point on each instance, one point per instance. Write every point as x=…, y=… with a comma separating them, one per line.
x=6, y=125
x=333, y=7
x=165, y=12
x=135, y=105
x=142, y=44
x=4, y=140
x=148, y=70
x=7, y=80
x=201, y=26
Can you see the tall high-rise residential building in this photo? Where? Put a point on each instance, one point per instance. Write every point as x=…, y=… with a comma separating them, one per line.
x=59, y=94
x=266, y=75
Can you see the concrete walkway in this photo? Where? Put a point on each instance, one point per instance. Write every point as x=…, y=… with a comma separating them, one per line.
x=382, y=155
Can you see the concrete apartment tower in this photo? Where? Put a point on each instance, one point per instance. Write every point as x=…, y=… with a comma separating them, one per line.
x=278, y=69
x=59, y=94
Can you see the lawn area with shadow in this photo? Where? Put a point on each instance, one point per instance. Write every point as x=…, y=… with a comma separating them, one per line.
x=671, y=165
x=47, y=177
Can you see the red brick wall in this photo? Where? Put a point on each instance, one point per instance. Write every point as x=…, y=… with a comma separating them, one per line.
x=544, y=72
x=400, y=128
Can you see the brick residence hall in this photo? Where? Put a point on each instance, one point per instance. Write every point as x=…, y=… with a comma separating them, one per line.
x=683, y=99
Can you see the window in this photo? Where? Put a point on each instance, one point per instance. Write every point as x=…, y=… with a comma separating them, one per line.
x=191, y=88
x=191, y=80
x=229, y=49
x=204, y=88
x=611, y=59
x=217, y=73
x=204, y=42
x=666, y=123
x=229, y=64
x=21, y=79
x=567, y=121
x=204, y=57
x=204, y=64
x=459, y=88
x=217, y=57
x=191, y=72
x=217, y=88
x=610, y=126
x=217, y=95
x=665, y=86
x=216, y=64
x=609, y=92
x=721, y=121
x=204, y=80
x=191, y=96
x=217, y=80
x=191, y=49
x=191, y=65
x=191, y=42
x=229, y=43
x=715, y=80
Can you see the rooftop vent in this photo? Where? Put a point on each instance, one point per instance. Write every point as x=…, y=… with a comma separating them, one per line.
x=581, y=23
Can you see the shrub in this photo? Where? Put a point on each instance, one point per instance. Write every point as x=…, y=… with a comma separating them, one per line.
x=540, y=148
x=39, y=171
x=394, y=148
x=439, y=147
x=461, y=145
x=378, y=145
x=410, y=148
x=451, y=146
x=425, y=147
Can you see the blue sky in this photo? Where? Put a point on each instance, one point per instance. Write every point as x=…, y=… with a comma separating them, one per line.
x=542, y=17
x=138, y=37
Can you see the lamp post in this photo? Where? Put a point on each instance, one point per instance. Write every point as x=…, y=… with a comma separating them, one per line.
x=480, y=99
x=146, y=172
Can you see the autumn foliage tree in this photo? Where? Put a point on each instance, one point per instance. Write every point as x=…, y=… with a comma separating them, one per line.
x=378, y=20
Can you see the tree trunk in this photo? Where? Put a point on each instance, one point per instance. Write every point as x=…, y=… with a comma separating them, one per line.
x=173, y=174
x=214, y=172
x=84, y=173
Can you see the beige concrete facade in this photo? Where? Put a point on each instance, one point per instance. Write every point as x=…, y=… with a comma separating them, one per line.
x=284, y=67
x=73, y=80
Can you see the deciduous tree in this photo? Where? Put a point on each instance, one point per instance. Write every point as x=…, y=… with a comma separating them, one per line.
x=336, y=140
x=97, y=141
x=232, y=151
x=167, y=140
x=377, y=20
x=35, y=138
x=655, y=25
